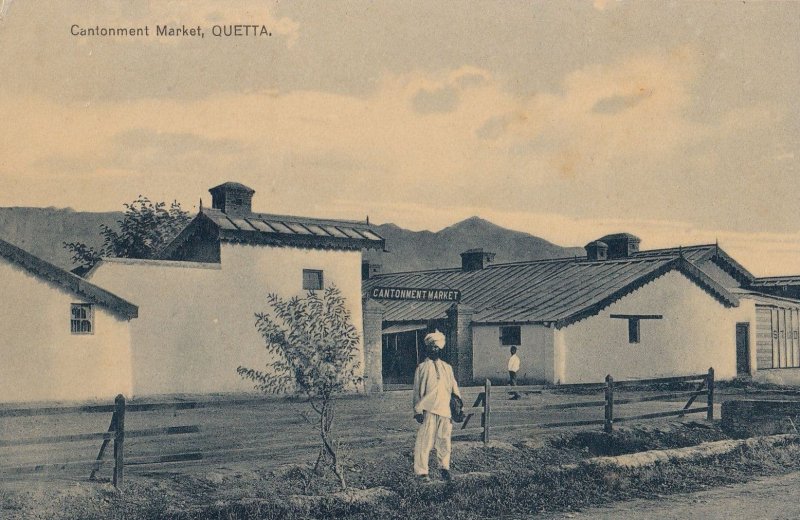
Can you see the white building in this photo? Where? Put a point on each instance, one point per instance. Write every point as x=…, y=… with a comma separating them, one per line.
x=198, y=302
x=620, y=311
x=62, y=338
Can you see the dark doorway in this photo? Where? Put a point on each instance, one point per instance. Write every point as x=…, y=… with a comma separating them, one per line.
x=401, y=354
x=742, y=348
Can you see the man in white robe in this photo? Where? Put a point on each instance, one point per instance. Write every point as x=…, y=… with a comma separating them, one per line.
x=433, y=385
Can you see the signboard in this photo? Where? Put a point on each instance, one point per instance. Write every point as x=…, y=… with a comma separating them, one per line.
x=417, y=294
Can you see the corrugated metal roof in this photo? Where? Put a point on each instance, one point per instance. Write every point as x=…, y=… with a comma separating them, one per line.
x=768, y=299
x=777, y=281
x=547, y=291
x=302, y=231
x=68, y=281
x=703, y=253
x=404, y=327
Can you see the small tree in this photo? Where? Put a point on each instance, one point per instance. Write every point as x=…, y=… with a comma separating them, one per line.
x=314, y=347
x=145, y=228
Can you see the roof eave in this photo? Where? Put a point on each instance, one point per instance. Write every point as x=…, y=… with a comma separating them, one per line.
x=306, y=241
x=731, y=266
x=68, y=281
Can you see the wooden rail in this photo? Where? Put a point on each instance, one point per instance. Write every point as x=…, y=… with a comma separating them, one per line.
x=609, y=403
x=484, y=419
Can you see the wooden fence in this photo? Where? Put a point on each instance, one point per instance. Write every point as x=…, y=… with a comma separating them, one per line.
x=115, y=434
x=485, y=406
x=166, y=435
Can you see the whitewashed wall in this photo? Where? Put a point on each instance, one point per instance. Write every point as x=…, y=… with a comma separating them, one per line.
x=490, y=358
x=42, y=360
x=696, y=332
x=196, y=322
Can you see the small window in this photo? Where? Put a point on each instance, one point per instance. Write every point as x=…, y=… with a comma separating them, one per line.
x=510, y=336
x=634, y=324
x=81, y=318
x=312, y=280
x=634, y=331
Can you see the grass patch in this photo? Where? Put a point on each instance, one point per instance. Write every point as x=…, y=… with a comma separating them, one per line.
x=515, y=480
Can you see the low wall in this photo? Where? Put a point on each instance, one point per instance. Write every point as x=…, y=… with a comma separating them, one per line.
x=748, y=417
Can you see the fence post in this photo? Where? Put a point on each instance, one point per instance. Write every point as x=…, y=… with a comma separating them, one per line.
x=99, y=460
x=487, y=389
x=119, y=439
x=710, y=385
x=609, y=418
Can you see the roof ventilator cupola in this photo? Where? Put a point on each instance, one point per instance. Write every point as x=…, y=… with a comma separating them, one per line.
x=232, y=198
x=475, y=259
x=621, y=245
x=596, y=251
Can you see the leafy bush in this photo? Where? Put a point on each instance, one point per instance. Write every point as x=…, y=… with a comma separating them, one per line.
x=314, y=347
x=145, y=228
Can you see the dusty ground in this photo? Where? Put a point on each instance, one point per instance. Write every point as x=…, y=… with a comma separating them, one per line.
x=522, y=476
x=256, y=464
x=764, y=498
x=276, y=432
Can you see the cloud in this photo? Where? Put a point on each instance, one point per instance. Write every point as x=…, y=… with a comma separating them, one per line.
x=602, y=5
x=618, y=103
x=143, y=150
x=440, y=100
x=615, y=139
x=69, y=68
x=5, y=5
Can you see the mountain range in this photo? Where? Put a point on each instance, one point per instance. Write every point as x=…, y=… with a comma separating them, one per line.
x=413, y=250
x=42, y=231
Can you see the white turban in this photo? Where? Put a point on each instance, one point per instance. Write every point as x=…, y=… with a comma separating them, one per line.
x=435, y=339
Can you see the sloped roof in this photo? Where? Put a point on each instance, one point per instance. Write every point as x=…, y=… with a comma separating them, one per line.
x=69, y=281
x=703, y=253
x=777, y=281
x=232, y=186
x=767, y=299
x=267, y=229
x=546, y=291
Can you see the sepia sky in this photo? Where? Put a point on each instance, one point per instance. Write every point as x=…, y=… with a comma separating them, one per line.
x=676, y=121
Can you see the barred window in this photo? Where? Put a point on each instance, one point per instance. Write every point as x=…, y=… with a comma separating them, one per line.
x=312, y=280
x=81, y=318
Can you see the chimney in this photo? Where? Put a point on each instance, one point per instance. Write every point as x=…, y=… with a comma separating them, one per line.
x=596, y=251
x=368, y=270
x=232, y=198
x=475, y=259
x=621, y=245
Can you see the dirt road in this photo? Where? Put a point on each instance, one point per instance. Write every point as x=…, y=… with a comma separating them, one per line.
x=769, y=498
x=275, y=431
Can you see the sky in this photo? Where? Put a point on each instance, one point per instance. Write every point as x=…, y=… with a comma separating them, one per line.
x=676, y=121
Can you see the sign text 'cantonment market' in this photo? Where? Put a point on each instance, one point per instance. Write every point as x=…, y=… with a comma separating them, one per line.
x=405, y=293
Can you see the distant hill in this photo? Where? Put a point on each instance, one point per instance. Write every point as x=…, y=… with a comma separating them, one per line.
x=412, y=250
x=42, y=231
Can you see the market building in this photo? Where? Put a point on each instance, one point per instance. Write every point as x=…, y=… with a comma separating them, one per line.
x=198, y=300
x=62, y=338
x=618, y=310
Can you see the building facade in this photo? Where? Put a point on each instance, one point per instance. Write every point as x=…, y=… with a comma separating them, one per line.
x=621, y=311
x=198, y=301
x=63, y=338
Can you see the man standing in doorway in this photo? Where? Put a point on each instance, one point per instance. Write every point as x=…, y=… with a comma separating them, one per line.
x=434, y=383
x=513, y=368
